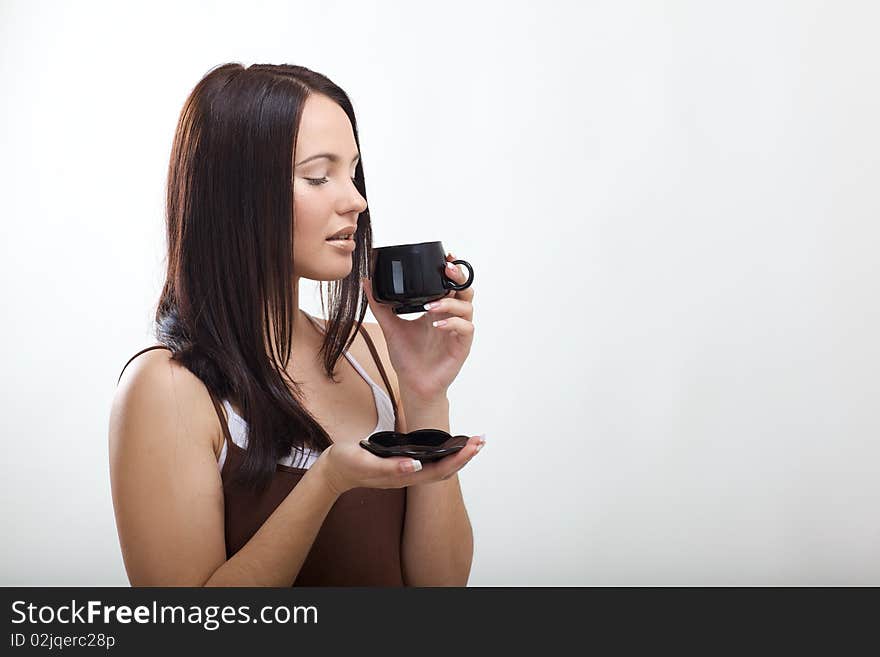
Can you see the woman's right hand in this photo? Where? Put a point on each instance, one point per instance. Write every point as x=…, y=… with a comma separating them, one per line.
x=348, y=465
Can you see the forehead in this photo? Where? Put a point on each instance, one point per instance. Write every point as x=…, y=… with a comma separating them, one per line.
x=324, y=126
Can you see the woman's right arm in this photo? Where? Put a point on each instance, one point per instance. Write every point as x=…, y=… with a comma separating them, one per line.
x=168, y=494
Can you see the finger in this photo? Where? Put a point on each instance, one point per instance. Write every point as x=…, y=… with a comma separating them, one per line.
x=457, y=274
x=457, y=307
x=473, y=447
x=448, y=465
x=456, y=324
x=406, y=466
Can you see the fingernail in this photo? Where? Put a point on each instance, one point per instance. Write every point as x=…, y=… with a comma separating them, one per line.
x=482, y=439
x=414, y=465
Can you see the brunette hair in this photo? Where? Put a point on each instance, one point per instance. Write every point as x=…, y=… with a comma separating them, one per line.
x=229, y=216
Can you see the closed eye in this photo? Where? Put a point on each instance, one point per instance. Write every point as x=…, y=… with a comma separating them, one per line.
x=321, y=181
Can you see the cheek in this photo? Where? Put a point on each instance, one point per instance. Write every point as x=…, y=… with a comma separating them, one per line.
x=309, y=221
x=310, y=196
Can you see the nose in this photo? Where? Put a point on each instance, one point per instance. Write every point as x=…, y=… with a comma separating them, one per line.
x=355, y=202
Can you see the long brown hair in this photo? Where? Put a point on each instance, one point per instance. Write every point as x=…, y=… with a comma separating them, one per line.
x=230, y=253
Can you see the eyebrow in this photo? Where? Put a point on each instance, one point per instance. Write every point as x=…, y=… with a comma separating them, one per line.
x=330, y=156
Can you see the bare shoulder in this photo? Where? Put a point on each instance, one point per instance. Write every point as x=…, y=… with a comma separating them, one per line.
x=166, y=488
x=155, y=389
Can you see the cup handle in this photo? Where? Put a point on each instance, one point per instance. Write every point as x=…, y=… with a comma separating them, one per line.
x=450, y=285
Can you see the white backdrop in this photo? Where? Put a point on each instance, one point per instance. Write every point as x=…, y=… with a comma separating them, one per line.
x=672, y=210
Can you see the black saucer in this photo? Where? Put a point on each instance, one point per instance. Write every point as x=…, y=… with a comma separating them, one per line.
x=422, y=444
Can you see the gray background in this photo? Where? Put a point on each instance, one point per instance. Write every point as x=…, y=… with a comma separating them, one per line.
x=672, y=209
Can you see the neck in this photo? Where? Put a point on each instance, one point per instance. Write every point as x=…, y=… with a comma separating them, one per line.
x=306, y=339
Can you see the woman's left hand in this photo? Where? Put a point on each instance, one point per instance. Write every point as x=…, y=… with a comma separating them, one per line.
x=427, y=358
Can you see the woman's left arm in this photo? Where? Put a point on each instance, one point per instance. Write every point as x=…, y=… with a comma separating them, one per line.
x=438, y=543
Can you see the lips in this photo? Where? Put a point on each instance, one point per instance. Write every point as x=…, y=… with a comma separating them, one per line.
x=348, y=230
x=346, y=245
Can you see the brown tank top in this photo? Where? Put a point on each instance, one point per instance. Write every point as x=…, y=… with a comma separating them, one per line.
x=359, y=543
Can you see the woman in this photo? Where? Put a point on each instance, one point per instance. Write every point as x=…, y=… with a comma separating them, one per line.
x=234, y=455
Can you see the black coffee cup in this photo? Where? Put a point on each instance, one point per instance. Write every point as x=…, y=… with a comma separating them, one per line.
x=407, y=276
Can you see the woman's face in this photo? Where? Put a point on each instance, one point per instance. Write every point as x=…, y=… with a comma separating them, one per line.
x=325, y=199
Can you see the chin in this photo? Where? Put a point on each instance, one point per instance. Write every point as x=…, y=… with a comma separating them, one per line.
x=332, y=274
